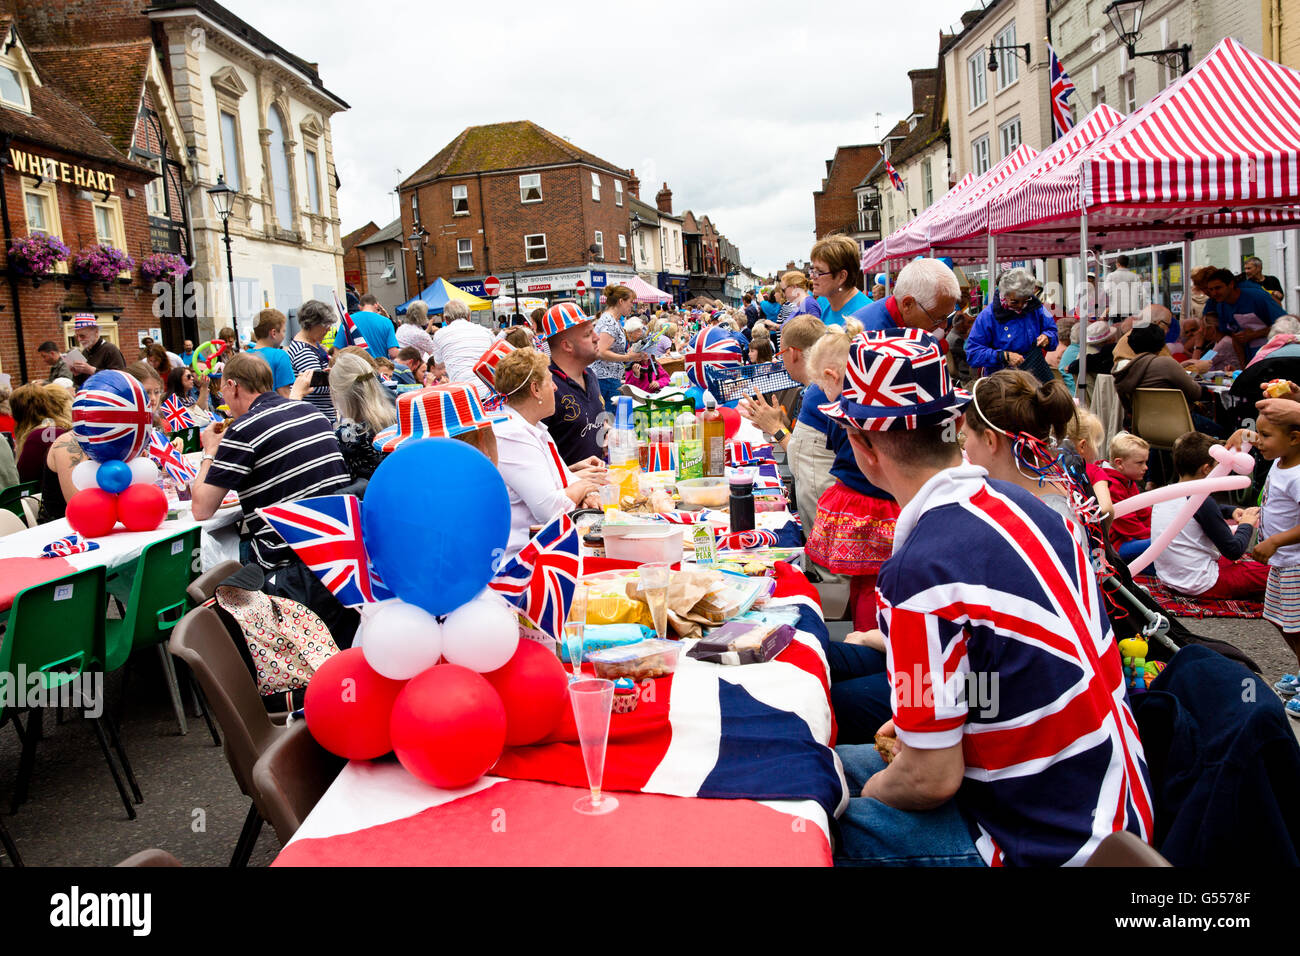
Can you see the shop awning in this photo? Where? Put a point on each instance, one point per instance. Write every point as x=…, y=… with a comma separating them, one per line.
x=440, y=292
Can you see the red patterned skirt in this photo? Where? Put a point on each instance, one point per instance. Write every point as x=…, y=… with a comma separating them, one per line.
x=853, y=533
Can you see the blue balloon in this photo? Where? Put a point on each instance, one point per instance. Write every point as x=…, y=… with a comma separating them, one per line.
x=880, y=278
x=441, y=560
x=114, y=476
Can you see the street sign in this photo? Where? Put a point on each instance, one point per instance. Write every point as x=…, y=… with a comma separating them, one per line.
x=491, y=286
x=580, y=287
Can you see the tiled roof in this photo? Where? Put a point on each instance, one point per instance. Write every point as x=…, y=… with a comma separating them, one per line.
x=390, y=233
x=105, y=79
x=647, y=212
x=501, y=146
x=57, y=122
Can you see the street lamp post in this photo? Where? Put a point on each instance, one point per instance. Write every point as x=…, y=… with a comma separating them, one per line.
x=1126, y=17
x=416, y=239
x=223, y=197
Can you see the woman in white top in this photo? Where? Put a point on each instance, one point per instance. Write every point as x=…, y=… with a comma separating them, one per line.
x=541, y=486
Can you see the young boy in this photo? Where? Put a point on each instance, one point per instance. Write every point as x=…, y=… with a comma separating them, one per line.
x=1279, y=530
x=1203, y=557
x=1119, y=477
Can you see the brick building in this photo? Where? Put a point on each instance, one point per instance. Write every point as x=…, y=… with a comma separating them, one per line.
x=836, y=207
x=67, y=170
x=521, y=203
x=354, y=259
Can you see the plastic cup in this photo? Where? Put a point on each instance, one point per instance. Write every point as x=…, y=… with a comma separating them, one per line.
x=574, y=629
x=593, y=702
x=654, y=587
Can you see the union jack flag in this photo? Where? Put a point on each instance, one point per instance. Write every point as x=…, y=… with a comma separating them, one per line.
x=903, y=370
x=1062, y=88
x=350, y=327
x=325, y=533
x=65, y=547
x=111, y=417
x=744, y=540
x=176, y=414
x=166, y=457
x=747, y=453
x=540, y=579
x=894, y=178
x=661, y=456
x=711, y=348
x=990, y=581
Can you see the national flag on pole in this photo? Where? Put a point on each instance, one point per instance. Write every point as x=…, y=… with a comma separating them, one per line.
x=176, y=414
x=894, y=178
x=354, y=334
x=541, y=578
x=171, y=461
x=1062, y=88
x=325, y=533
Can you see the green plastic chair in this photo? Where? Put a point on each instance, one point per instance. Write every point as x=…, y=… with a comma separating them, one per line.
x=156, y=603
x=56, y=629
x=11, y=498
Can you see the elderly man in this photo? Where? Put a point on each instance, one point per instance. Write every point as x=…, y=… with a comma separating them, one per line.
x=1253, y=271
x=99, y=353
x=924, y=298
x=1243, y=312
x=459, y=344
x=1012, y=741
x=411, y=333
x=275, y=450
x=375, y=327
x=1014, y=330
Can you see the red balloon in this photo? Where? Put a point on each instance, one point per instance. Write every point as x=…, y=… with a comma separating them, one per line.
x=142, y=507
x=731, y=420
x=448, y=726
x=348, y=706
x=534, y=689
x=92, y=512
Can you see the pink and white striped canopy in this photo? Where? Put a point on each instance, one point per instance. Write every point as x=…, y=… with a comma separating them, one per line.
x=877, y=254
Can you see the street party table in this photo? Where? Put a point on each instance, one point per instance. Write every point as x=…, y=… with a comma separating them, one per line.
x=721, y=766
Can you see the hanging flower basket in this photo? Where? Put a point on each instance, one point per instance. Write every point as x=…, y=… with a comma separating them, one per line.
x=100, y=263
x=163, y=266
x=36, y=254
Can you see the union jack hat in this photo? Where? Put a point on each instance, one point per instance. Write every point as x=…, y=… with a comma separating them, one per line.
x=486, y=366
x=441, y=411
x=562, y=316
x=85, y=320
x=896, y=380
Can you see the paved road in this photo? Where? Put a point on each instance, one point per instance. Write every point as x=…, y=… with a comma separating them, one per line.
x=192, y=807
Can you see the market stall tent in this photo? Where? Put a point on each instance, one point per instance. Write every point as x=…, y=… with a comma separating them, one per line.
x=440, y=292
x=645, y=292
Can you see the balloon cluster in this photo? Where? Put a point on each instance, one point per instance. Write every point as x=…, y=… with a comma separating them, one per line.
x=111, y=421
x=441, y=676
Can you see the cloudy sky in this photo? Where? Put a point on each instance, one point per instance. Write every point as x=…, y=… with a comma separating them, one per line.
x=737, y=106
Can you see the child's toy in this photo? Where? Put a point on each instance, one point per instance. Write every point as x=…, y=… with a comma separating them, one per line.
x=1138, y=671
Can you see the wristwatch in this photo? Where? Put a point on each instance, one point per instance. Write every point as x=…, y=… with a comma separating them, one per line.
x=779, y=435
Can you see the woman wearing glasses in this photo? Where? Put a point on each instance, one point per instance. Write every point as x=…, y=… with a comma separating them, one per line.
x=836, y=275
x=1014, y=330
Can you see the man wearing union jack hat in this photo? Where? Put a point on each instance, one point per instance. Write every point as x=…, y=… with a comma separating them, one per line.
x=1011, y=742
x=99, y=352
x=577, y=424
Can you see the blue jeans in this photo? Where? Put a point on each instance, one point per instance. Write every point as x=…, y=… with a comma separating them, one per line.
x=1132, y=549
x=608, y=389
x=874, y=834
x=859, y=691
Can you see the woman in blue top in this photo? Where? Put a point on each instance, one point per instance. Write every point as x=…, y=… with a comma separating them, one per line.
x=836, y=275
x=1014, y=330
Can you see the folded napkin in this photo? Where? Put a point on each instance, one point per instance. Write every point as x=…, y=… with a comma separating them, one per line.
x=72, y=544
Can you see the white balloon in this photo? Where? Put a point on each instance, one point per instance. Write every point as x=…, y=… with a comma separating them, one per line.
x=481, y=634
x=143, y=472
x=401, y=640
x=83, y=475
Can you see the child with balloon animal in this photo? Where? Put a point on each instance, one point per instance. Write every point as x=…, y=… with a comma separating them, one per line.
x=1205, y=558
x=1279, y=527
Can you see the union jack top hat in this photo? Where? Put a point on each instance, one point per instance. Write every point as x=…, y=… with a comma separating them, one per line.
x=896, y=380
x=85, y=320
x=562, y=316
x=486, y=366
x=441, y=411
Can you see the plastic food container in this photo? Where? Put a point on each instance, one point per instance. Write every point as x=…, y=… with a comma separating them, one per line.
x=644, y=544
x=652, y=658
x=704, y=492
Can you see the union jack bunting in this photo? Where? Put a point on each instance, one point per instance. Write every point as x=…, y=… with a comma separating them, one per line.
x=176, y=414
x=110, y=416
x=711, y=348
x=72, y=544
x=894, y=178
x=540, y=579
x=354, y=334
x=896, y=379
x=325, y=533
x=744, y=540
x=1062, y=88
x=748, y=453
x=171, y=461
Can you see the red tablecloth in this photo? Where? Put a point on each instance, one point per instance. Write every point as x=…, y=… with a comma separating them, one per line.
x=19, y=573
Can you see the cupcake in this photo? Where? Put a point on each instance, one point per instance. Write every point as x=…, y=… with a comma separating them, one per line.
x=625, y=696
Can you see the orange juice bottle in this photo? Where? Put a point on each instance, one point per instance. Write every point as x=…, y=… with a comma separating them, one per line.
x=713, y=431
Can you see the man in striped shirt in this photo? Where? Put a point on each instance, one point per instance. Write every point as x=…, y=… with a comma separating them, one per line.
x=275, y=450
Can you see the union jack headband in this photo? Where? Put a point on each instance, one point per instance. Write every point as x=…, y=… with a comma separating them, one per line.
x=896, y=379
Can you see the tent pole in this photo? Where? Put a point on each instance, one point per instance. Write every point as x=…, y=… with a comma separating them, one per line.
x=1187, y=278
x=1085, y=303
x=993, y=259
x=887, y=283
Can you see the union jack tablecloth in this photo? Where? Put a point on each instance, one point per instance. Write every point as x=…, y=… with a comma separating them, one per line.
x=752, y=744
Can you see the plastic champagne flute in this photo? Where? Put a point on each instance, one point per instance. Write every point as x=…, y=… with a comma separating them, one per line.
x=574, y=629
x=654, y=588
x=593, y=702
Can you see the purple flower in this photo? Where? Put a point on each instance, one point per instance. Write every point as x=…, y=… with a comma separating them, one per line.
x=163, y=265
x=101, y=263
x=37, y=253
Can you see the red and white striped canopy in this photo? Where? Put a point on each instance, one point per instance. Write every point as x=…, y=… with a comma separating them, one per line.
x=879, y=252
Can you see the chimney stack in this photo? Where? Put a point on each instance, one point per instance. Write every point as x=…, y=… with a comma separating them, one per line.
x=633, y=184
x=664, y=200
